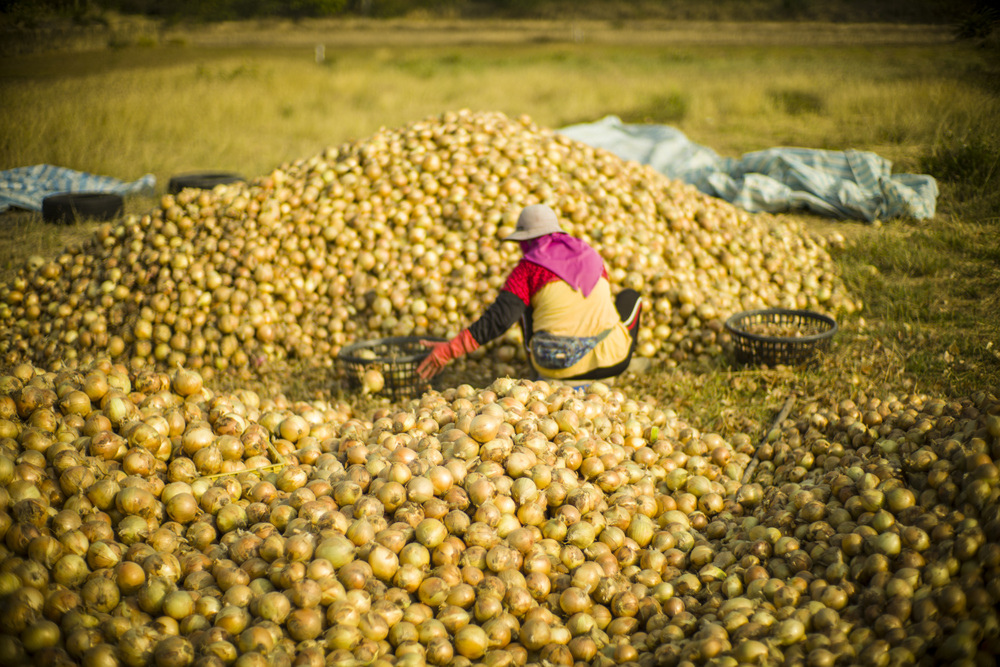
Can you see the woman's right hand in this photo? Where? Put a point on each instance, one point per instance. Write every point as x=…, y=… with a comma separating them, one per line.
x=435, y=361
x=442, y=353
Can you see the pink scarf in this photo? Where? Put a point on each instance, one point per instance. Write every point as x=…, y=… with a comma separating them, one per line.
x=568, y=257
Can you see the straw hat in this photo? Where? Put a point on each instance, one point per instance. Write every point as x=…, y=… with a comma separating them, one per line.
x=535, y=220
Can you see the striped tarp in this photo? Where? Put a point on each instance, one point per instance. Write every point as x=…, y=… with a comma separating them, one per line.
x=26, y=187
x=840, y=184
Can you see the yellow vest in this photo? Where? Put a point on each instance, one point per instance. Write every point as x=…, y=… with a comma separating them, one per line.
x=564, y=311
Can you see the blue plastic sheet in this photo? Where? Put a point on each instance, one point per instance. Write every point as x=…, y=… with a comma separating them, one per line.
x=847, y=184
x=26, y=187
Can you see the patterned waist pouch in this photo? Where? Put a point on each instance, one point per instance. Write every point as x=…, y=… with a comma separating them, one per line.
x=558, y=352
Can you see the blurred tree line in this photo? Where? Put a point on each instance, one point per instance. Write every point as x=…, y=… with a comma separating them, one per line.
x=893, y=11
x=224, y=10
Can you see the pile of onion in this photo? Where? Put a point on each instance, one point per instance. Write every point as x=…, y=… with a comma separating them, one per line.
x=147, y=519
x=400, y=234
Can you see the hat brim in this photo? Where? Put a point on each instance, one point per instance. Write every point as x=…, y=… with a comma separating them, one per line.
x=528, y=234
x=525, y=235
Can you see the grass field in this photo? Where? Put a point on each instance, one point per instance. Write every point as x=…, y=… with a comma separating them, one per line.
x=248, y=98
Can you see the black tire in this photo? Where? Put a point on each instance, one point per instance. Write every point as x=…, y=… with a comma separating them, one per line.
x=74, y=206
x=202, y=180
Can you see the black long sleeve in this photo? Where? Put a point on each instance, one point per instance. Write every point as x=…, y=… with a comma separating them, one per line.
x=502, y=313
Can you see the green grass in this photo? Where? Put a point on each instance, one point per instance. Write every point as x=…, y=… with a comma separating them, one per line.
x=211, y=100
x=934, y=290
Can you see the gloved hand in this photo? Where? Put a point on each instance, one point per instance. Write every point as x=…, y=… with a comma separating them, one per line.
x=442, y=353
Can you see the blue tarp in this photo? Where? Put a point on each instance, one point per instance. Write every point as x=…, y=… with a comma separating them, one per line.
x=26, y=187
x=840, y=184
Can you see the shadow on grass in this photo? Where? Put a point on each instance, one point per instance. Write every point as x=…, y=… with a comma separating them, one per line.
x=665, y=108
x=720, y=396
x=797, y=102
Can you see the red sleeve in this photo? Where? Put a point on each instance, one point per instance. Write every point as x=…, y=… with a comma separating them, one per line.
x=526, y=279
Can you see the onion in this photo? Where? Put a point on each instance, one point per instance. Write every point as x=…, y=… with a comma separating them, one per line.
x=182, y=507
x=304, y=624
x=430, y=533
x=59, y=601
x=178, y=604
x=137, y=645
x=232, y=619
x=186, y=382
x=134, y=500
x=40, y=635
x=307, y=594
x=274, y=606
x=70, y=570
x=100, y=594
x=372, y=381
x=103, y=555
x=471, y=642
x=535, y=634
x=484, y=427
x=130, y=577
x=196, y=438
x=230, y=517
x=46, y=550
x=384, y=562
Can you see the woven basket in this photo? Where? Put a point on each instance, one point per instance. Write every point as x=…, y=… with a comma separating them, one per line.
x=812, y=332
x=396, y=358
